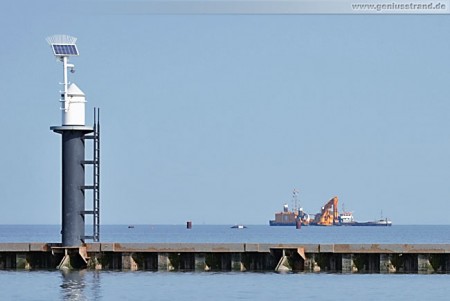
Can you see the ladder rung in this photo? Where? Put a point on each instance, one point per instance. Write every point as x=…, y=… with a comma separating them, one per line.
x=88, y=187
x=94, y=161
x=89, y=161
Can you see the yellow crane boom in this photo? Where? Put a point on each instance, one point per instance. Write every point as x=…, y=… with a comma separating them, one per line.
x=329, y=214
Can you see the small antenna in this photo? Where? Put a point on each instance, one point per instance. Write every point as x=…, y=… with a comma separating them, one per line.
x=295, y=199
x=61, y=39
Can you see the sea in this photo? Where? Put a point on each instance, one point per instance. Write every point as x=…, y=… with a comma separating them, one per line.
x=163, y=285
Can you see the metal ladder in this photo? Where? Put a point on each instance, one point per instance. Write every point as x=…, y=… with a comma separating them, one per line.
x=96, y=178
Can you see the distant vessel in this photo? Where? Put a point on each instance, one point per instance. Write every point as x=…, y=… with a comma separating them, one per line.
x=288, y=217
x=238, y=227
x=328, y=216
x=380, y=222
x=346, y=219
x=284, y=218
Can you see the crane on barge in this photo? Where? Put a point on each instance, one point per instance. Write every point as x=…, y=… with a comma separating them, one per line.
x=329, y=214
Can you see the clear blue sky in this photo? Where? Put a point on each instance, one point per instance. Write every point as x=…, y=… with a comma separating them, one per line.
x=217, y=118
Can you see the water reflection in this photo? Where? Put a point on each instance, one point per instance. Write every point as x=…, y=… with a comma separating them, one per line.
x=80, y=285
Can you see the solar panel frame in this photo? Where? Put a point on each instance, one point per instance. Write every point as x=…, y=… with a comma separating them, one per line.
x=65, y=50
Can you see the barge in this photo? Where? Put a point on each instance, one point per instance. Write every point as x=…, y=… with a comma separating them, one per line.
x=328, y=216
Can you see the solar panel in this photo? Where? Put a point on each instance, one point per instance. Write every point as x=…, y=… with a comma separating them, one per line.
x=65, y=49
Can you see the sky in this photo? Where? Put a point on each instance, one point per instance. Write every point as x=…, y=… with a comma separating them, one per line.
x=217, y=118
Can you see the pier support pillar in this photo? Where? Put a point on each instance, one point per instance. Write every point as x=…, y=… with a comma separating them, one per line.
x=373, y=264
x=334, y=262
x=446, y=263
x=236, y=262
x=283, y=265
x=146, y=261
x=214, y=262
x=423, y=264
x=95, y=261
x=347, y=264
x=200, y=262
x=73, y=258
x=7, y=261
x=164, y=263
x=188, y=261
x=128, y=262
x=311, y=264
x=406, y=263
x=225, y=262
x=22, y=261
x=386, y=265
x=116, y=262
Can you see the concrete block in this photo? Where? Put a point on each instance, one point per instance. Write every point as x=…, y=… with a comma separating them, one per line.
x=236, y=262
x=386, y=265
x=107, y=247
x=164, y=263
x=251, y=248
x=14, y=247
x=423, y=264
x=95, y=261
x=326, y=248
x=283, y=265
x=39, y=247
x=347, y=263
x=22, y=261
x=128, y=262
x=311, y=264
x=65, y=263
x=93, y=247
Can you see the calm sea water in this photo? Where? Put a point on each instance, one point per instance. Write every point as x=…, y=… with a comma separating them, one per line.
x=144, y=285
x=223, y=233
x=88, y=285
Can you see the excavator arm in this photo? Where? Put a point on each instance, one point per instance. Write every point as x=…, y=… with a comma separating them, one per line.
x=329, y=214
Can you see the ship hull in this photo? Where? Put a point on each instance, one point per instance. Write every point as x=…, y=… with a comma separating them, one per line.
x=368, y=224
x=354, y=224
x=275, y=223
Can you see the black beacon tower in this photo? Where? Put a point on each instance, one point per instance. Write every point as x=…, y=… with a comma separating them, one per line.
x=74, y=135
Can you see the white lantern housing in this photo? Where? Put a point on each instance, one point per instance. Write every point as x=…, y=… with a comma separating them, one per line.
x=73, y=106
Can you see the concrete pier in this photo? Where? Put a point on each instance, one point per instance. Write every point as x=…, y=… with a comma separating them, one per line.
x=337, y=258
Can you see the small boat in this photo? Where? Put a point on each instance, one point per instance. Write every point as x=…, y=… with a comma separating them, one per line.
x=130, y=227
x=238, y=227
